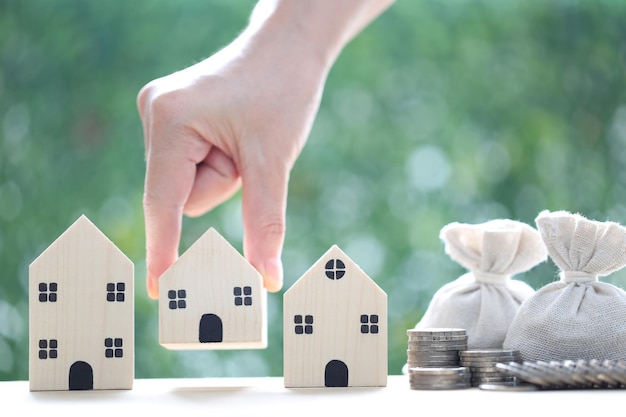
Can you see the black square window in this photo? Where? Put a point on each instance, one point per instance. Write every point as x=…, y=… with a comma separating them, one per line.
x=48, y=292
x=243, y=296
x=299, y=328
x=177, y=299
x=369, y=323
x=115, y=292
x=113, y=347
x=48, y=349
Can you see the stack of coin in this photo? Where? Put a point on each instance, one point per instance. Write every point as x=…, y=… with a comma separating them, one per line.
x=482, y=365
x=569, y=374
x=439, y=378
x=435, y=347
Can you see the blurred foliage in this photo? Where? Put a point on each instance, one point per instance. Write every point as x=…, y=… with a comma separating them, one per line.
x=465, y=110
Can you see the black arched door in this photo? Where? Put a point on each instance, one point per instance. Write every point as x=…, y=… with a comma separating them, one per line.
x=211, y=330
x=81, y=376
x=336, y=374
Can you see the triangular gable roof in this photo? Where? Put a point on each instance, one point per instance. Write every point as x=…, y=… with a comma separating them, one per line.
x=82, y=230
x=351, y=267
x=211, y=240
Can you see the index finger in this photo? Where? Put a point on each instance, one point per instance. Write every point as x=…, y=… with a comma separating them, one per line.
x=170, y=175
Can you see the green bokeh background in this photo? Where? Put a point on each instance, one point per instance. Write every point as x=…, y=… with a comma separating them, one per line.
x=463, y=110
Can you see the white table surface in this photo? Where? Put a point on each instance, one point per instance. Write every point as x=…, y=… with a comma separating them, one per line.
x=268, y=397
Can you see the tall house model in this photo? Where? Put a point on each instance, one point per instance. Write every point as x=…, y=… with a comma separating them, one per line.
x=212, y=298
x=335, y=327
x=81, y=313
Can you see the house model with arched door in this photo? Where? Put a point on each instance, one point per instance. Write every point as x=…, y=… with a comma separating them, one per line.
x=335, y=327
x=212, y=298
x=81, y=313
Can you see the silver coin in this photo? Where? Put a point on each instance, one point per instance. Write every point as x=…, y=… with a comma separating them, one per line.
x=550, y=376
x=436, y=331
x=487, y=375
x=438, y=338
x=576, y=378
x=485, y=361
x=618, y=371
x=438, y=343
x=588, y=374
x=507, y=387
x=433, y=364
x=440, y=387
x=566, y=371
x=489, y=369
x=481, y=353
x=519, y=371
x=437, y=348
x=440, y=371
x=494, y=378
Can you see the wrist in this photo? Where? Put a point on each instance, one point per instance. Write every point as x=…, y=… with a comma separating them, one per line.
x=314, y=30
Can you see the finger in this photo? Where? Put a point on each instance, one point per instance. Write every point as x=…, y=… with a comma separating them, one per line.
x=264, y=196
x=170, y=174
x=217, y=179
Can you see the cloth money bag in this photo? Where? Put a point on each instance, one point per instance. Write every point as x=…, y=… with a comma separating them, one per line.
x=577, y=317
x=484, y=300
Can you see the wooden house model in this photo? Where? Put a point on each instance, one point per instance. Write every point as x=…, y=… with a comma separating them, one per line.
x=81, y=313
x=335, y=327
x=212, y=298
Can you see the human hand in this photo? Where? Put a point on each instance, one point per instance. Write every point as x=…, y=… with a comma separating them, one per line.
x=240, y=119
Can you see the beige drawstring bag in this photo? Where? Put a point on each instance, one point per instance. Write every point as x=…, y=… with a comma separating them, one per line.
x=578, y=317
x=485, y=300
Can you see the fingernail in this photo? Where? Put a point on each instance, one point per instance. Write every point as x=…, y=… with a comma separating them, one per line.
x=152, y=287
x=273, y=274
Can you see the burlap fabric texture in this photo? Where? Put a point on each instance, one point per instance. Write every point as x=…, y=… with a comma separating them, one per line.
x=577, y=317
x=486, y=298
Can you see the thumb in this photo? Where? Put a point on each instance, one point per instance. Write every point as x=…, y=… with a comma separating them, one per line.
x=264, y=201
